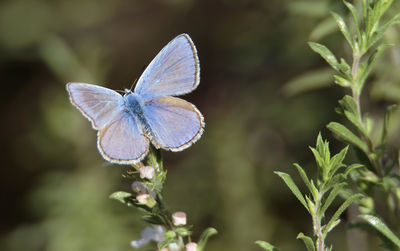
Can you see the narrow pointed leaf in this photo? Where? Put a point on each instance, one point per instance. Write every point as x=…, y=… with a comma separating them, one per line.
x=332, y=195
x=266, y=246
x=339, y=211
x=379, y=225
x=326, y=54
x=371, y=60
x=292, y=186
x=347, y=136
x=307, y=241
x=381, y=31
x=352, y=167
x=337, y=161
x=332, y=226
x=353, y=12
x=313, y=190
x=343, y=28
x=205, y=236
x=342, y=81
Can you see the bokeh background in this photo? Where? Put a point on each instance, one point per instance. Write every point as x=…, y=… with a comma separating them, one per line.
x=264, y=94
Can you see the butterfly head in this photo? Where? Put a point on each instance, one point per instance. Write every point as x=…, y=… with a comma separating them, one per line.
x=127, y=91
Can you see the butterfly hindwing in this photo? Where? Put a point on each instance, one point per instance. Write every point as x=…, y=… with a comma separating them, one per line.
x=100, y=105
x=122, y=141
x=174, y=123
x=174, y=71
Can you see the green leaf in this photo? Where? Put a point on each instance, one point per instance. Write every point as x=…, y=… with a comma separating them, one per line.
x=311, y=80
x=352, y=167
x=266, y=246
x=323, y=148
x=350, y=110
x=311, y=187
x=307, y=241
x=129, y=200
x=292, y=186
x=332, y=195
x=339, y=211
x=353, y=12
x=388, y=112
x=347, y=136
x=348, y=104
x=343, y=28
x=371, y=60
x=336, y=179
x=204, y=238
x=343, y=82
x=121, y=196
x=337, y=161
x=345, y=68
x=376, y=36
x=379, y=225
x=332, y=226
x=326, y=54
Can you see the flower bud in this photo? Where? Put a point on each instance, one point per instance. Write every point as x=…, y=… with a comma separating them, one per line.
x=192, y=246
x=174, y=247
x=179, y=218
x=146, y=172
x=138, y=187
x=146, y=199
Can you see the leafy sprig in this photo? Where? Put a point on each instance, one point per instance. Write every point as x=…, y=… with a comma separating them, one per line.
x=153, y=205
x=322, y=191
x=379, y=172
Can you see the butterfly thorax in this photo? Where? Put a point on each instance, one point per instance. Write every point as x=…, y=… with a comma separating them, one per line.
x=134, y=105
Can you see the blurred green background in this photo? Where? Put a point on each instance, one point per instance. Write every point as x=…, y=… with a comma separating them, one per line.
x=263, y=94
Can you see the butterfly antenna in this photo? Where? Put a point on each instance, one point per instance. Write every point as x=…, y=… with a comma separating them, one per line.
x=133, y=84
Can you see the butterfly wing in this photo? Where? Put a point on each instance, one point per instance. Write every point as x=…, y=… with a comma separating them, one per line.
x=100, y=105
x=174, y=71
x=174, y=124
x=121, y=141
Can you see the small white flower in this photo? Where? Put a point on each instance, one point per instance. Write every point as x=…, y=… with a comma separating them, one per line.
x=146, y=199
x=191, y=246
x=146, y=172
x=154, y=233
x=179, y=218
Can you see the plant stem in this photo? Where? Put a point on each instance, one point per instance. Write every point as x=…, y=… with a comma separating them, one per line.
x=317, y=224
x=356, y=91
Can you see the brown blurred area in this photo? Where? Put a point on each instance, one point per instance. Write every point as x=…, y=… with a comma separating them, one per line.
x=54, y=183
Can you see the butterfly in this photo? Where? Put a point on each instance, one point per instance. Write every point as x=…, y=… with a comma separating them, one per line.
x=127, y=123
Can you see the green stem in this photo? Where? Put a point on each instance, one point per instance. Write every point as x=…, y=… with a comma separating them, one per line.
x=356, y=91
x=320, y=243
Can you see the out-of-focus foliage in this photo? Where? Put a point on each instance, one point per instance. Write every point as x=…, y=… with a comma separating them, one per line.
x=54, y=184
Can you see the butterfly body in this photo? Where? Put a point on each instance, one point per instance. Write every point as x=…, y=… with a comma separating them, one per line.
x=134, y=104
x=127, y=124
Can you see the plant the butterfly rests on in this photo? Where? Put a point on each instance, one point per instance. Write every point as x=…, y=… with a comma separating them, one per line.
x=127, y=124
x=150, y=114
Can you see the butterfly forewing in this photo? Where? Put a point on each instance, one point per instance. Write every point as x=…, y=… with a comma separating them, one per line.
x=174, y=71
x=100, y=105
x=174, y=123
x=122, y=141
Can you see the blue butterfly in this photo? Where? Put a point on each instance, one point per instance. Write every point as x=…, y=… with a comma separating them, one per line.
x=127, y=124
